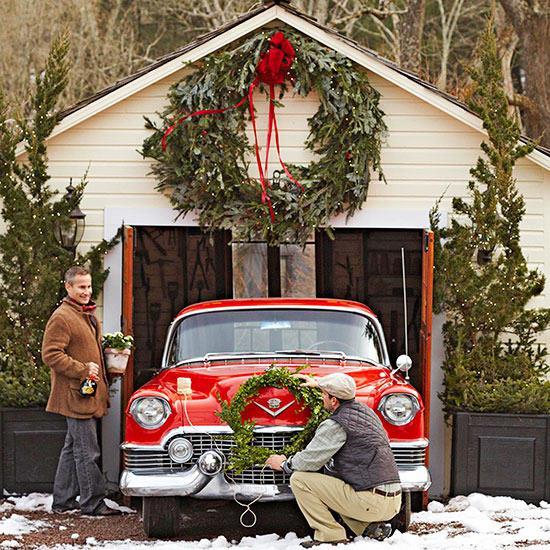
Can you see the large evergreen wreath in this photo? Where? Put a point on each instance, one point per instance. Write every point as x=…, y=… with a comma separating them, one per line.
x=245, y=455
x=205, y=167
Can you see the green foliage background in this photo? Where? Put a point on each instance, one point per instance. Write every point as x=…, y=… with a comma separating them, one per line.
x=483, y=284
x=33, y=262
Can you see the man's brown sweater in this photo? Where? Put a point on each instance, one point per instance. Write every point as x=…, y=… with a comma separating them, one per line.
x=73, y=338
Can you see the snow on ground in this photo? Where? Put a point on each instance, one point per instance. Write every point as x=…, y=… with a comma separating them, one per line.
x=19, y=525
x=476, y=522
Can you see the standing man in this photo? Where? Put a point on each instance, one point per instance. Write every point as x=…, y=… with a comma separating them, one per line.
x=360, y=480
x=72, y=349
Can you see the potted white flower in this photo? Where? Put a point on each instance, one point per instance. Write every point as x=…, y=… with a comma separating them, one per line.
x=117, y=349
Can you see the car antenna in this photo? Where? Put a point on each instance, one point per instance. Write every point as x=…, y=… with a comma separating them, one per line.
x=405, y=315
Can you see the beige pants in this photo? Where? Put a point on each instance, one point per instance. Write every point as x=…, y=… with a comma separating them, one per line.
x=318, y=494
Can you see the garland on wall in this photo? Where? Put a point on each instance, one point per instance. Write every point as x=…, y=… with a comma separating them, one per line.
x=245, y=455
x=203, y=162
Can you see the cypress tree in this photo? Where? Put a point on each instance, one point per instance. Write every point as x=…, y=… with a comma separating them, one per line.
x=483, y=285
x=33, y=262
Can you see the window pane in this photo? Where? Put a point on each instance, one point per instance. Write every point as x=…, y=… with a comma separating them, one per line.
x=298, y=271
x=249, y=270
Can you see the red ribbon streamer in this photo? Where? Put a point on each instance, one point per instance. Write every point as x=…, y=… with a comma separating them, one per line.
x=273, y=68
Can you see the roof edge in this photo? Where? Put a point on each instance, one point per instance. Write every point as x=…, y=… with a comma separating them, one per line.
x=268, y=12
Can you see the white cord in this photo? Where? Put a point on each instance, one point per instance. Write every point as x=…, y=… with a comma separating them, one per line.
x=234, y=484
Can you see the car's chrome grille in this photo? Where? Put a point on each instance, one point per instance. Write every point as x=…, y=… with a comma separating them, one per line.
x=259, y=476
x=408, y=458
x=141, y=461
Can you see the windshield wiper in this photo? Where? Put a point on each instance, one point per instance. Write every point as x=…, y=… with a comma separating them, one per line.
x=310, y=352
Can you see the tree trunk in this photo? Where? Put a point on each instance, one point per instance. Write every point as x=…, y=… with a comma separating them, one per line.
x=531, y=22
x=411, y=28
x=507, y=40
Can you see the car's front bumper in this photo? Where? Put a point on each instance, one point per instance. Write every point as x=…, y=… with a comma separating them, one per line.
x=196, y=483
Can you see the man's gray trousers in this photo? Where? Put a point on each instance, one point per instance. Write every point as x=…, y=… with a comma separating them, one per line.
x=78, y=471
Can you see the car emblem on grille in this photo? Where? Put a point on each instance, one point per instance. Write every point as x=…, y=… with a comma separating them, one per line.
x=273, y=403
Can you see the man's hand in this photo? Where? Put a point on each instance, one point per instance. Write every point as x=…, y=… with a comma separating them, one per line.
x=308, y=381
x=275, y=461
x=93, y=369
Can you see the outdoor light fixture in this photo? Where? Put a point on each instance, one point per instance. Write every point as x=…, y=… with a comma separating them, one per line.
x=68, y=232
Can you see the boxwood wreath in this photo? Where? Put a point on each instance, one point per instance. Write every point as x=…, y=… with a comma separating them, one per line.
x=245, y=455
x=204, y=167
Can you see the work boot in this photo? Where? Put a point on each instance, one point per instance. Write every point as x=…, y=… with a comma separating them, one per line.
x=378, y=531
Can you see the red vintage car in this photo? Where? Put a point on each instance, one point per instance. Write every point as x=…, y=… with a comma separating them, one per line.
x=176, y=446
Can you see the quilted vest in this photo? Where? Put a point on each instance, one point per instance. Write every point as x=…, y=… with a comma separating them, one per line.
x=366, y=459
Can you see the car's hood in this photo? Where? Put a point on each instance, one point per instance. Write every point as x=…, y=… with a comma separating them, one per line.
x=212, y=383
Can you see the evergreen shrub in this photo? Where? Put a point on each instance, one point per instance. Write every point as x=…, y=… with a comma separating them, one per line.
x=33, y=262
x=493, y=362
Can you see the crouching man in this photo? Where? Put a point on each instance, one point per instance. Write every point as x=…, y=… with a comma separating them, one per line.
x=360, y=481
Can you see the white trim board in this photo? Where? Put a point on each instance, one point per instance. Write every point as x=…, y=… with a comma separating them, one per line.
x=328, y=39
x=365, y=218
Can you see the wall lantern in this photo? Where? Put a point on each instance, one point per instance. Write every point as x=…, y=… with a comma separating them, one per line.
x=68, y=232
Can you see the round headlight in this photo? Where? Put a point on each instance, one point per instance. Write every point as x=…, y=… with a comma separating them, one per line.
x=399, y=408
x=150, y=412
x=180, y=450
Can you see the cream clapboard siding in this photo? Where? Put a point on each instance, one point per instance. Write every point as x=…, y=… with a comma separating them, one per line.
x=427, y=153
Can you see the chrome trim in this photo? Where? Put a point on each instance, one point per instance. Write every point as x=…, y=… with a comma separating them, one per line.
x=272, y=412
x=207, y=430
x=195, y=484
x=226, y=430
x=417, y=479
x=152, y=473
x=185, y=483
x=180, y=484
x=420, y=443
x=371, y=318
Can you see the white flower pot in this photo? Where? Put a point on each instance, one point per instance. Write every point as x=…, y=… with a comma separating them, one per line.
x=116, y=360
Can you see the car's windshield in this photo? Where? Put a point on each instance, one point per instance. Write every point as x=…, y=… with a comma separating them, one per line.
x=275, y=330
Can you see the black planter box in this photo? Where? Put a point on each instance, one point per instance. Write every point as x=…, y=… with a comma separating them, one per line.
x=30, y=443
x=501, y=454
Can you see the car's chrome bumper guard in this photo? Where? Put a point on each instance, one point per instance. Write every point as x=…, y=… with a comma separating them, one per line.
x=198, y=484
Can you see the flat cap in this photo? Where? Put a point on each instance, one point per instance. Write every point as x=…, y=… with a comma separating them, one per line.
x=338, y=384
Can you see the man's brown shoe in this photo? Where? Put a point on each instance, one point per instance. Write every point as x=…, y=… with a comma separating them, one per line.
x=312, y=543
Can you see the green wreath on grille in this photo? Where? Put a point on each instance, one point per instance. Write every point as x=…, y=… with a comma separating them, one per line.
x=205, y=168
x=245, y=455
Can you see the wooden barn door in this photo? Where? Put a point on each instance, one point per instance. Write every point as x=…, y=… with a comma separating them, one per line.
x=365, y=265
x=173, y=267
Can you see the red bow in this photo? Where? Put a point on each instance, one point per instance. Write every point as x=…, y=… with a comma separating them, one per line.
x=273, y=68
x=275, y=64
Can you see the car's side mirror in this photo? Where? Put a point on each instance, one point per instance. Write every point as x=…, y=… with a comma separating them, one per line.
x=404, y=364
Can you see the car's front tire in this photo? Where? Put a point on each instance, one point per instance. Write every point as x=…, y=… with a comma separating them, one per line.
x=161, y=516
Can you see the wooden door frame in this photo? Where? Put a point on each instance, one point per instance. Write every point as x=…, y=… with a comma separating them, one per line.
x=127, y=316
